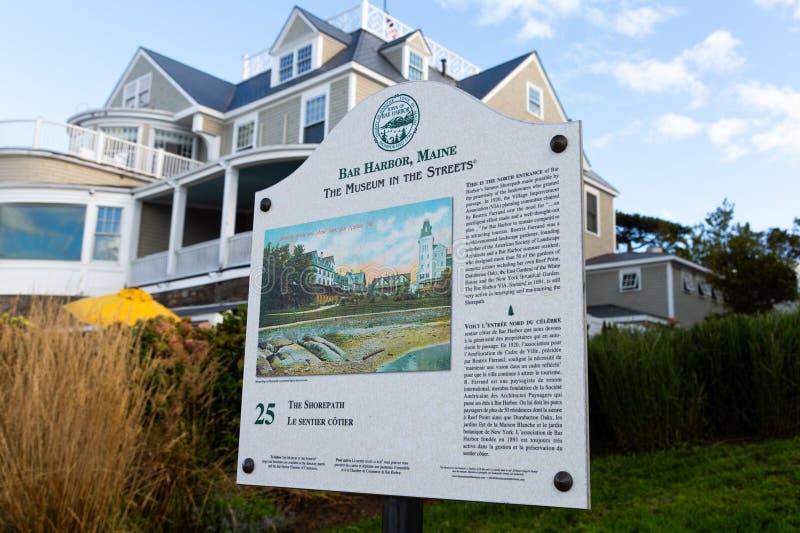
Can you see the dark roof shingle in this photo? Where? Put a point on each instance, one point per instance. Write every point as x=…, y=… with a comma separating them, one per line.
x=205, y=89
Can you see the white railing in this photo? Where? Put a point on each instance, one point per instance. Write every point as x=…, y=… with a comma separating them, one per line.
x=148, y=269
x=93, y=146
x=365, y=16
x=239, y=249
x=198, y=258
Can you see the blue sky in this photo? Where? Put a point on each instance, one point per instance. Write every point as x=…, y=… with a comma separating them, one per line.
x=683, y=103
x=376, y=242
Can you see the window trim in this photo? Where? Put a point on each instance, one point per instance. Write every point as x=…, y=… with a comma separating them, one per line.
x=95, y=233
x=310, y=95
x=242, y=121
x=688, y=285
x=594, y=192
x=315, y=57
x=528, y=87
x=625, y=271
x=137, y=86
x=406, y=63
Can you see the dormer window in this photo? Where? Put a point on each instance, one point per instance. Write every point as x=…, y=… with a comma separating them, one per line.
x=287, y=67
x=304, y=59
x=294, y=63
x=416, y=66
x=137, y=92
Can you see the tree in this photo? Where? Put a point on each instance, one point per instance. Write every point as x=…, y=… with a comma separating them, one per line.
x=636, y=231
x=754, y=270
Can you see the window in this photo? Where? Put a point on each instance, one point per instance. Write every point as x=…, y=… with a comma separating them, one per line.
x=137, y=92
x=314, y=125
x=630, y=279
x=687, y=282
x=304, y=59
x=126, y=133
x=106, y=234
x=52, y=232
x=287, y=67
x=174, y=142
x=592, y=225
x=245, y=135
x=535, y=100
x=415, y=66
x=703, y=288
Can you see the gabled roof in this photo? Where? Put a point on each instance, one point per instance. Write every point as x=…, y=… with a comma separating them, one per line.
x=205, y=89
x=325, y=27
x=404, y=38
x=591, y=174
x=481, y=83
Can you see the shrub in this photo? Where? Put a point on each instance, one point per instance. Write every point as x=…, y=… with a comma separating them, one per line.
x=735, y=376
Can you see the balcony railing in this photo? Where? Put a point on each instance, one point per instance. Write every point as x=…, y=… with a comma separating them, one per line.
x=93, y=146
x=148, y=269
x=239, y=249
x=195, y=260
x=365, y=16
x=200, y=258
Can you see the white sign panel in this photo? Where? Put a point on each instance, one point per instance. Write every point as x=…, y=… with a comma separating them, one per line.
x=416, y=309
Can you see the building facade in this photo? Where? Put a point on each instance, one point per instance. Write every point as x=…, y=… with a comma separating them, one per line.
x=654, y=287
x=175, y=155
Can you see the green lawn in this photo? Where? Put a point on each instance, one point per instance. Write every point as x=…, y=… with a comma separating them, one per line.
x=720, y=487
x=360, y=308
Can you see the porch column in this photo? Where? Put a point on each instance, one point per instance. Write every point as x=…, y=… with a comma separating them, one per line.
x=228, y=226
x=176, y=227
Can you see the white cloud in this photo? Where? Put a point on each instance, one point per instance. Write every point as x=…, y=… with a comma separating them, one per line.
x=724, y=130
x=640, y=22
x=680, y=75
x=780, y=106
x=717, y=53
x=673, y=126
x=770, y=99
x=653, y=76
x=538, y=18
x=793, y=5
x=535, y=29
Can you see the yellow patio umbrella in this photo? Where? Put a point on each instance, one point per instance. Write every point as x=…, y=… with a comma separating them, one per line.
x=126, y=306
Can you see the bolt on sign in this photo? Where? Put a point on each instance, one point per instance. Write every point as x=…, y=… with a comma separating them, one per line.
x=417, y=312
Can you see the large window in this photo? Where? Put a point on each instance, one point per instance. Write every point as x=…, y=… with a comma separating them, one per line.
x=415, y=66
x=137, y=92
x=287, y=67
x=304, y=59
x=314, y=125
x=106, y=235
x=535, y=101
x=592, y=222
x=174, y=142
x=30, y=231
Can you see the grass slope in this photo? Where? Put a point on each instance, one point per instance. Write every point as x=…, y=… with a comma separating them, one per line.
x=360, y=308
x=721, y=487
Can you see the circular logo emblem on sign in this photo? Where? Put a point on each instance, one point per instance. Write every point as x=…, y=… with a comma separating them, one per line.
x=395, y=122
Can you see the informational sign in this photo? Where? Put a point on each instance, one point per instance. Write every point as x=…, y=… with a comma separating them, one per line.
x=416, y=320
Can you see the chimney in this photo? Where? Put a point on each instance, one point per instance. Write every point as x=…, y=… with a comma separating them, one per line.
x=655, y=250
x=444, y=66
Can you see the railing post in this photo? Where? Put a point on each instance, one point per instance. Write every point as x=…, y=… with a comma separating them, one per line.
x=37, y=133
x=100, y=148
x=159, y=170
x=364, y=13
